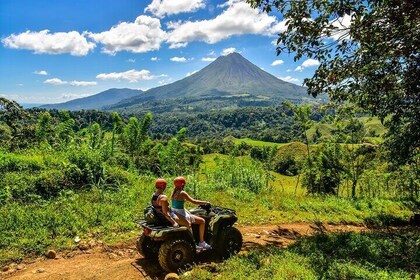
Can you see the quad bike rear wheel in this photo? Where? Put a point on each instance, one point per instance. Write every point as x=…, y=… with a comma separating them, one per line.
x=147, y=247
x=229, y=243
x=176, y=254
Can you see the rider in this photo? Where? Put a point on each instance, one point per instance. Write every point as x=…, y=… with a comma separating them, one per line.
x=179, y=196
x=161, y=205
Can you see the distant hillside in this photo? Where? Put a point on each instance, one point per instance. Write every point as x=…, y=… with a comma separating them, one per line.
x=96, y=101
x=229, y=81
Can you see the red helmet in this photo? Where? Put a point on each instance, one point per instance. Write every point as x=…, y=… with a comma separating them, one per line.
x=160, y=184
x=179, y=182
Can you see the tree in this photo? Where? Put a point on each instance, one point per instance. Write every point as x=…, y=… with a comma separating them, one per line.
x=12, y=114
x=302, y=115
x=117, y=125
x=44, y=128
x=369, y=54
x=135, y=134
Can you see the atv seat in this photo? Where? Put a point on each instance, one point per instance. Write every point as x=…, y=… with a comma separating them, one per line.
x=158, y=230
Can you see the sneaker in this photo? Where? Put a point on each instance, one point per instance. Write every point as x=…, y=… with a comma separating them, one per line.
x=204, y=245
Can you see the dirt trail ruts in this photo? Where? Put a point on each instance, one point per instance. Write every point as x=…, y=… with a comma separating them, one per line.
x=121, y=261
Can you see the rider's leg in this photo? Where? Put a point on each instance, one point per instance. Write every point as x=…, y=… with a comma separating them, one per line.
x=182, y=221
x=201, y=226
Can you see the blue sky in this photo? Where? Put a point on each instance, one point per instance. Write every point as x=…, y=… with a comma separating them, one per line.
x=54, y=51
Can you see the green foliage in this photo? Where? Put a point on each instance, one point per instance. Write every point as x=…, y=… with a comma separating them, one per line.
x=327, y=172
x=242, y=176
x=371, y=62
x=337, y=256
x=135, y=134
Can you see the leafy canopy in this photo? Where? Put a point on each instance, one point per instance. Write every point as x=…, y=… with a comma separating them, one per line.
x=369, y=54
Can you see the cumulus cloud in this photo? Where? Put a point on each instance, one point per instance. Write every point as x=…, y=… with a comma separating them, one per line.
x=306, y=64
x=154, y=58
x=160, y=8
x=41, y=72
x=299, y=69
x=228, y=51
x=208, y=59
x=238, y=19
x=82, y=83
x=191, y=73
x=143, y=35
x=55, y=81
x=310, y=63
x=178, y=59
x=277, y=62
x=290, y=79
x=44, y=42
x=131, y=75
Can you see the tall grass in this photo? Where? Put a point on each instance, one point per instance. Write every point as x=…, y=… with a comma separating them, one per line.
x=31, y=227
x=381, y=255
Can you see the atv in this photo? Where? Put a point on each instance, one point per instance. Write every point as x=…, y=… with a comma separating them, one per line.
x=175, y=248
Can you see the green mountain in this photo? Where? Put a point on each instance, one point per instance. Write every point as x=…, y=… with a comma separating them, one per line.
x=97, y=101
x=230, y=81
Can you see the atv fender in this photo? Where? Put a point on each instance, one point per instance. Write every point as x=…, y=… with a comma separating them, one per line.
x=221, y=222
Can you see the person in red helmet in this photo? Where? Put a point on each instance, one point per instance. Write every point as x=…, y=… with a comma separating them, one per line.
x=178, y=197
x=161, y=205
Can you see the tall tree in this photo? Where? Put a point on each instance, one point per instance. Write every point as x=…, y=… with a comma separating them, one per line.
x=369, y=53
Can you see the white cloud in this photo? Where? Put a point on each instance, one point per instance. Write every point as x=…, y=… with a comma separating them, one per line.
x=161, y=8
x=279, y=27
x=341, y=24
x=41, y=72
x=154, y=58
x=277, y=62
x=289, y=70
x=290, y=79
x=212, y=52
x=238, y=19
x=165, y=81
x=82, y=83
x=131, y=60
x=228, y=51
x=142, y=35
x=208, y=59
x=178, y=59
x=44, y=42
x=131, y=75
x=190, y=73
x=306, y=64
x=55, y=81
x=178, y=45
x=59, y=82
x=299, y=69
x=310, y=63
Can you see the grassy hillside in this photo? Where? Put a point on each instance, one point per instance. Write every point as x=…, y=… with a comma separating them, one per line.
x=109, y=214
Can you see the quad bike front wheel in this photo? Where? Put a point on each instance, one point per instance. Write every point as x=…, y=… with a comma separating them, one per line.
x=176, y=254
x=229, y=243
x=147, y=247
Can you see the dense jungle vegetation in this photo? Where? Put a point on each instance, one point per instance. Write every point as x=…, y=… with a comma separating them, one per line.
x=66, y=174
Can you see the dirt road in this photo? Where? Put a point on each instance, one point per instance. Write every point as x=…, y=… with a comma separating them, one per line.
x=121, y=261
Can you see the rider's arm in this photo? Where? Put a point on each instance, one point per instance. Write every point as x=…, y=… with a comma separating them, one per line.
x=164, y=203
x=192, y=200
